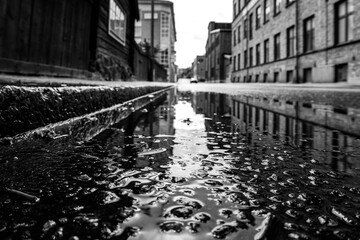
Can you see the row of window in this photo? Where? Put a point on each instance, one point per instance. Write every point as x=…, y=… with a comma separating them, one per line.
x=343, y=23
x=258, y=12
x=341, y=73
x=343, y=33
x=249, y=78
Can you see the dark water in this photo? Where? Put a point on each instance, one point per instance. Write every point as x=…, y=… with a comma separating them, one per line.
x=200, y=166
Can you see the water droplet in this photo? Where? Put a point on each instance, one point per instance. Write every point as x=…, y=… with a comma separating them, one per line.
x=171, y=226
x=223, y=231
x=202, y=217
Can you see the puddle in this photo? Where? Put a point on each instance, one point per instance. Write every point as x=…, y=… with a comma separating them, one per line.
x=193, y=168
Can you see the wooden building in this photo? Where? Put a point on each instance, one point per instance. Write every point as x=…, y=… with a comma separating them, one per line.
x=81, y=38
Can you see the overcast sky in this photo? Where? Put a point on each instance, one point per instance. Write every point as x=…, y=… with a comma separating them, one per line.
x=191, y=19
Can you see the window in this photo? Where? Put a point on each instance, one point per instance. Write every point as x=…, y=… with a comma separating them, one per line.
x=307, y=75
x=258, y=13
x=239, y=58
x=266, y=11
x=239, y=6
x=290, y=41
x=266, y=51
x=289, y=76
x=164, y=57
x=234, y=63
x=277, y=47
x=117, y=22
x=341, y=72
x=235, y=10
x=258, y=54
x=289, y=2
x=276, y=77
x=277, y=6
x=245, y=59
x=234, y=35
x=245, y=28
x=251, y=26
x=257, y=78
x=239, y=33
x=251, y=56
x=309, y=33
x=344, y=20
x=265, y=77
x=147, y=15
x=165, y=25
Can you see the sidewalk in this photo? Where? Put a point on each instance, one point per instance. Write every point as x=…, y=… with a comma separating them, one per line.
x=53, y=81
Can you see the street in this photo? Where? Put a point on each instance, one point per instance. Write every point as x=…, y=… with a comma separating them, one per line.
x=200, y=165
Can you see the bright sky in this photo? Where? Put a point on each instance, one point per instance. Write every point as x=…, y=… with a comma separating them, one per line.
x=192, y=18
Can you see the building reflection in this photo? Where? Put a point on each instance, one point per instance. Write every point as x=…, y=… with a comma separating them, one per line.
x=319, y=131
x=136, y=133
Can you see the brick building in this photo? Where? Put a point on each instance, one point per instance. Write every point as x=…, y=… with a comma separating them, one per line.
x=296, y=41
x=198, y=68
x=218, y=46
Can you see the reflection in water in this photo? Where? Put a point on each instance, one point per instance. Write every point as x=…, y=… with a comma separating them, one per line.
x=199, y=166
x=317, y=130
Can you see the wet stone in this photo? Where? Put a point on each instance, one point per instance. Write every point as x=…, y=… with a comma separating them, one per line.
x=182, y=212
x=223, y=231
x=202, y=217
x=117, y=185
x=172, y=226
x=193, y=227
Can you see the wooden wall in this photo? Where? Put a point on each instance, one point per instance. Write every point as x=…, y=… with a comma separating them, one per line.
x=45, y=36
x=108, y=45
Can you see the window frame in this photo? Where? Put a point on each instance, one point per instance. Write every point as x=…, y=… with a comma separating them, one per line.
x=251, y=20
x=258, y=17
x=246, y=27
x=348, y=17
x=266, y=50
x=277, y=7
x=234, y=63
x=277, y=47
x=165, y=25
x=290, y=2
x=234, y=37
x=267, y=11
x=118, y=36
x=246, y=59
x=258, y=54
x=251, y=57
x=290, y=41
x=308, y=45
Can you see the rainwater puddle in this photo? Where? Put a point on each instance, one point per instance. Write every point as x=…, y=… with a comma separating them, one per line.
x=199, y=166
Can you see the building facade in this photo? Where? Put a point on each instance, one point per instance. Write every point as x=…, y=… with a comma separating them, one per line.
x=296, y=41
x=218, y=46
x=164, y=32
x=198, y=68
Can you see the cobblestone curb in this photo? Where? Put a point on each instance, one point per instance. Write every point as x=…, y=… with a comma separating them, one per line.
x=26, y=108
